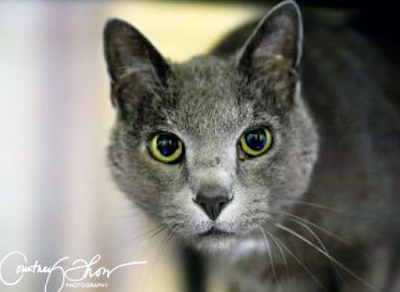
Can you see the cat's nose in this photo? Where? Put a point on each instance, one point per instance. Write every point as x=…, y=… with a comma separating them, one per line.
x=212, y=199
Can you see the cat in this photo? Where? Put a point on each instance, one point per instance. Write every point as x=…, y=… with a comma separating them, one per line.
x=278, y=159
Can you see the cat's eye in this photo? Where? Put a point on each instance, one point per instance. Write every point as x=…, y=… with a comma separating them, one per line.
x=256, y=142
x=166, y=148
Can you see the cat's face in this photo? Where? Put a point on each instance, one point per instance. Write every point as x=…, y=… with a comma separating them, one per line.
x=211, y=148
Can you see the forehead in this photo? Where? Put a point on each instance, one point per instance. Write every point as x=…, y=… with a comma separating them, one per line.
x=209, y=97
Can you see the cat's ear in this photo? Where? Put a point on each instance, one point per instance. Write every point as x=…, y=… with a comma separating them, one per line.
x=273, y=52
x=128, y=52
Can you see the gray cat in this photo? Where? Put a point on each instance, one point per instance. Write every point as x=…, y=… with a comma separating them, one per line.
x=286, y=169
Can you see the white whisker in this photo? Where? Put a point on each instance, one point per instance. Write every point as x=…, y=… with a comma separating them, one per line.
x=332, y=210
x=315, y=279
x=326, y=231
x=339, y=264
x=282, y=255
x=271, y=259
x=321, y=244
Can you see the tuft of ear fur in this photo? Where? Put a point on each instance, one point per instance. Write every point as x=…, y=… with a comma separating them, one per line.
x=128, y=52
x=272, y=54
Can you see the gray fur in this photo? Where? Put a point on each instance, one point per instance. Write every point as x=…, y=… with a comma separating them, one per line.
x=336, y=144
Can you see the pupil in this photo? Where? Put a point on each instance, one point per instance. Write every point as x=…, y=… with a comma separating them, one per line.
x=256, y=139
x=167, y=145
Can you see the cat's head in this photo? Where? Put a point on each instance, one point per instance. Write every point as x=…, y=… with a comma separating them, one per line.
x=210, y=148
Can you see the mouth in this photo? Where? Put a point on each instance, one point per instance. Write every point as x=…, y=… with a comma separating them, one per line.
x=215, y=232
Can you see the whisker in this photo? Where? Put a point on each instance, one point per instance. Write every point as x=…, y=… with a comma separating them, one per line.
x=164, y=243
x=160, y=250
x=339, y=264
x=271, y=259
x=282, y=255
x=153, y=232
x=315, y=279
x=324, y=230
x=332, y=210
x=321, y=244
x=289, y=276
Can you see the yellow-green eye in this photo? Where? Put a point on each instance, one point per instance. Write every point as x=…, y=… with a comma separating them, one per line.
x=166, y=148
x=256, y=141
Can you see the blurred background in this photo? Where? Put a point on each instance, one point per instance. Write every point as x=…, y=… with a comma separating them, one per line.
x=56, y=195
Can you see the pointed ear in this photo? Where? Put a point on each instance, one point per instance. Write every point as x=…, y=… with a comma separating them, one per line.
x=273, y=51
x=128, y=53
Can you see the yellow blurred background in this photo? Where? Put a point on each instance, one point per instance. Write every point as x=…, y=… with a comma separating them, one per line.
x=56, y=195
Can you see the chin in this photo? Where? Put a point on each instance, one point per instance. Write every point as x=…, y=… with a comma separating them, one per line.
x=214, y=242
x=215, y=245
